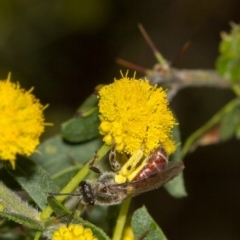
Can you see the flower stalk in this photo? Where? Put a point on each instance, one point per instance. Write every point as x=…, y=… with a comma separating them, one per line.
x=121, y=220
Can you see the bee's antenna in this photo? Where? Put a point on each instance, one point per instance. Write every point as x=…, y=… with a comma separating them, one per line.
x=61, y=194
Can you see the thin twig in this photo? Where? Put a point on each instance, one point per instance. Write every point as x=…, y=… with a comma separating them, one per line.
x=177, y=79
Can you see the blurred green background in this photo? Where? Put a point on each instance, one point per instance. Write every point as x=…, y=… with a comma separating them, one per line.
x=65, y=48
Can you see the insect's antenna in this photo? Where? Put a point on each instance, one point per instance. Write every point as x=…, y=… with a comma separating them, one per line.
x=156, y=53
x=61, y=194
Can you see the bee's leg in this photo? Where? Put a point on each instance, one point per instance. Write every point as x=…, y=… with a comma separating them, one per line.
x=83, y=211
x=144, y=234
x=95, y=169
x=92, y=165
x=72, y=214
x=115, y=165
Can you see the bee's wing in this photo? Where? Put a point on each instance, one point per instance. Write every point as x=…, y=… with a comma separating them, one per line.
x=153, y=181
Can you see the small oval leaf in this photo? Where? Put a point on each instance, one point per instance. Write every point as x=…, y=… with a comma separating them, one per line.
x=81, y=129
x=144, y=225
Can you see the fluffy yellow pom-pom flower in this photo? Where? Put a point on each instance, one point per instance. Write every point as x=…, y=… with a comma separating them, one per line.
x=72, y=232
x=135, y=115
x=21, y=121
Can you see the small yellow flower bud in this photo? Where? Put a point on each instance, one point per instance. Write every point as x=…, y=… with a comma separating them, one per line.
x=108, y=139
x=119, y=147
x=118, y=140
x=105, y=126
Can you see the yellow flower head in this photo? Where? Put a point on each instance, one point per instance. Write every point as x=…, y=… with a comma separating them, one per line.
x=135, y=115
x=72, y=232
x=21, y=121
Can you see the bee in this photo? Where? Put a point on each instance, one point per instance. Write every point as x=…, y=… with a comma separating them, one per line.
x=105, y=190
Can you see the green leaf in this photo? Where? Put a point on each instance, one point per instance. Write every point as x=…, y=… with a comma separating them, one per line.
x=230, y=123
x=56, y=155
x=88, y=105
x=58, y=208
x=144, y=225
x=81, y=129
x=62, y=178
x=14, y=208
x=229, y=60
x=84, y=125
x=176, y=187
x=108, y=213
x=33, y=179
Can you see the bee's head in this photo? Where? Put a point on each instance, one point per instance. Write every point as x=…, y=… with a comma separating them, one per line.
x=86, y=193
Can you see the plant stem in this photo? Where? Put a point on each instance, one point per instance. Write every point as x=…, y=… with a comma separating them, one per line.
x=121, y=220
x=37, y=235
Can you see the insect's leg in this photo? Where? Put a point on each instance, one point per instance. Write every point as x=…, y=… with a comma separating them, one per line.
x=92, y=164
x=84, y=208
x=72, y=214
x=115, y=165
x=69, y=194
